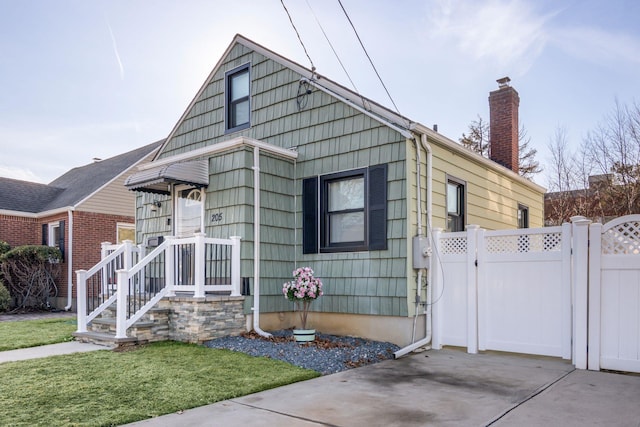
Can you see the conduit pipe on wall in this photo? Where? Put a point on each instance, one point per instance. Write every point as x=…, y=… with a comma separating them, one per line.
x=69, y=252
x=428, y=329
x=256, y=243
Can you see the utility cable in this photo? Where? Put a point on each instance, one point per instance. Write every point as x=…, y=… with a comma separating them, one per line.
x=333, y=49
x=313, y=68
x=369, y=58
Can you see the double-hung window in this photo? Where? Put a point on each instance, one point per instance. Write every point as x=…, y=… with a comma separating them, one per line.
x=523, y=216
x=455, y=204
x=345, y=211
x=237, y=101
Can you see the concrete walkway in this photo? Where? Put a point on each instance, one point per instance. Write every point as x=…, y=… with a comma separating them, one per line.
x=48, y=350
x=435, y=388
x=45, y=350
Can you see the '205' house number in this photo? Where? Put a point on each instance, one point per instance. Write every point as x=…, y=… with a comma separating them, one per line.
x=216, y=217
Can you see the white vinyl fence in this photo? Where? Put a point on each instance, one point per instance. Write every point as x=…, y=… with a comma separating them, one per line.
x=527, y=291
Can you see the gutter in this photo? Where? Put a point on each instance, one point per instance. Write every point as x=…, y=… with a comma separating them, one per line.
x=404, y=132
x=70, y=263
x=428, y=318
x=256, y=243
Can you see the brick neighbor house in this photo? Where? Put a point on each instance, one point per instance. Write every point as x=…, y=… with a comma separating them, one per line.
x=75, y=212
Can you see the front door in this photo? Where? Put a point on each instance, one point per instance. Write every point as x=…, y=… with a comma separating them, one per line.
x=189, y=206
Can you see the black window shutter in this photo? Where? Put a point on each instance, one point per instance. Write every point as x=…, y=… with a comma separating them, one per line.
x=377, y=201
x=61, y=238
x=45, y=234
x=310, y=215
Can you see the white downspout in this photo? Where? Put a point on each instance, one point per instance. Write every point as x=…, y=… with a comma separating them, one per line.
x=256, y=243
x=70, y=264
x=428, y=329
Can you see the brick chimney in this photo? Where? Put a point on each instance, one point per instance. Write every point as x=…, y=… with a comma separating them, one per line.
x=503, y=125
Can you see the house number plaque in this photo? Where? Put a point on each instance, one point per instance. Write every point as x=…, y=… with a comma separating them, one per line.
x=216, y=217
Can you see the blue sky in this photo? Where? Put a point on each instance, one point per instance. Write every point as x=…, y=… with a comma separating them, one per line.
x=83, y=79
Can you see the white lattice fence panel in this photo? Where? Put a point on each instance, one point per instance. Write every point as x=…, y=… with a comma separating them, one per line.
x=622, y=239
x=453, y=245
x=524, y=243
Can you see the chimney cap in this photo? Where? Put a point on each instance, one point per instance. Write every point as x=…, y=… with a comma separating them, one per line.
x=503, y=82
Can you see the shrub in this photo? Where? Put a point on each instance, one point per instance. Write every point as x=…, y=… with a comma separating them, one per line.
x=4, y=247
x=5, y=298
x=28, y=273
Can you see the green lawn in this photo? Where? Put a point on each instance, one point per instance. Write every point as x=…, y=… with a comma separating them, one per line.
x=31, y=333
x=107, y=388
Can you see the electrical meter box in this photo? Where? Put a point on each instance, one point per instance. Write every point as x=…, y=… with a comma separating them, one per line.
x=421, y=252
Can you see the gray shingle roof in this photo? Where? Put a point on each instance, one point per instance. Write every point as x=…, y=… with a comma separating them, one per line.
x=70, y=188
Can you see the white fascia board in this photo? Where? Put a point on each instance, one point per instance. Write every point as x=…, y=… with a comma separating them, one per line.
x=220, y=147
x=37, y=214
x=460, y=150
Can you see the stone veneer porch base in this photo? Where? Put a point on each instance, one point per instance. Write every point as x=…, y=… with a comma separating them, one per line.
x=196, y=320
x=176, y=318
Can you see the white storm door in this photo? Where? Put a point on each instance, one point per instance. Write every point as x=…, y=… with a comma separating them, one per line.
x=189, y=211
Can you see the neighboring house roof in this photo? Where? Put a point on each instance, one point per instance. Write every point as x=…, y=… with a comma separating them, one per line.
x=25, y=196
x=72, y=187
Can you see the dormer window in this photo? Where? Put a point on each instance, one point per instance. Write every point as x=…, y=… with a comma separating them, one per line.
x=238, y=103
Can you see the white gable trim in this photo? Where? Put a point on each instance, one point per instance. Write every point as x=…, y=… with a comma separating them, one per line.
x=220, y=147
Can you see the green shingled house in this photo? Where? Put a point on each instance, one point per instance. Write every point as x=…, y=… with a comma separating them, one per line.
x=309, y=173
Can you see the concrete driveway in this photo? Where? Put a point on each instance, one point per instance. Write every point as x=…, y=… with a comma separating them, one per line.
x=436, y=388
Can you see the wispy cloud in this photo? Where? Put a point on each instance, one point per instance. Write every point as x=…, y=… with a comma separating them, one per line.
x=17, y=172
x=597, y=45
x=115, y=50
x=506, y=32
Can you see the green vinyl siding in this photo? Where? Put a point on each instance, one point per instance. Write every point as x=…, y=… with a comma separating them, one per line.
x=329, y=137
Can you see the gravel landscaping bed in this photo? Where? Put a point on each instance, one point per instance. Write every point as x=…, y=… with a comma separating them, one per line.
x=328, y=354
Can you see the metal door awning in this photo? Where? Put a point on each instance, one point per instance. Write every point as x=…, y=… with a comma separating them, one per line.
x=159, y=179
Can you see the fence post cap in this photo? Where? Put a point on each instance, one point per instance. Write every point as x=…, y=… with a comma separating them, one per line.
x=580, y=220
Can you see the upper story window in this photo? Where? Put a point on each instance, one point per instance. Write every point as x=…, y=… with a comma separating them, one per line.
x=345, y=211
x=523, y=216
x=456, y=208
x=237, y=101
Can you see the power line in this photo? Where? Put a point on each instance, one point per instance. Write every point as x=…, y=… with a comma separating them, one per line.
x=313, y=68
x=368, y=57
x=332, y=48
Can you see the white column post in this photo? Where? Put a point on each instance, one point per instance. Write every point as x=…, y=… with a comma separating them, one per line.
x=199, y=265
x=81, y=303
x=121, y=303
x=235, y=266
x=128, y=254
x=567, y=292
x=436, y=278
x=472, y=289
x=595, y=294
x=105, y=271
x=169, y=266
x=580, y=244
x=481, y=289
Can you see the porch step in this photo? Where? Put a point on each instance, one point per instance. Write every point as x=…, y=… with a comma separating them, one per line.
x=107, y=340
x=153, y=326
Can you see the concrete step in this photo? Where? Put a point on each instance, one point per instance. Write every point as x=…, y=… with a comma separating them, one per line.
x=107, y=340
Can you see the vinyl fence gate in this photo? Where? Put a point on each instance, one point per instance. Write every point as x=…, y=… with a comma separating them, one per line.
x=571, y=291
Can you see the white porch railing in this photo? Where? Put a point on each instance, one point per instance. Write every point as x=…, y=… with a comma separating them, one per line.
x=195, y=265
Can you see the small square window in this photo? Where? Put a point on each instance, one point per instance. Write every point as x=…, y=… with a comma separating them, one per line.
x=238, y=101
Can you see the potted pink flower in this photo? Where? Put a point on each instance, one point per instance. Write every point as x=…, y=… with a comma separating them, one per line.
x=303, y=290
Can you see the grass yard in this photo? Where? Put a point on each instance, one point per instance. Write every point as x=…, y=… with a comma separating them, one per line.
x=31, y=333
x=106, y=388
